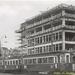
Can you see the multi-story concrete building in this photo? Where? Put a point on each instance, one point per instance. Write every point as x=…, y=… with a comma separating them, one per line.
x=52, y=31
x=53, y=27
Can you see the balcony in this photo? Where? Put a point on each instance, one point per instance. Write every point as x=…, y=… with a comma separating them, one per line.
x=69, y=15
x=69, y=27
x=18, y=31
x=45, y=31
x=43, y=21
x=70, y=39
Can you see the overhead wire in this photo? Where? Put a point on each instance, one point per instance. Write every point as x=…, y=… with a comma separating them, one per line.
x=9, y=29
x=19, y=25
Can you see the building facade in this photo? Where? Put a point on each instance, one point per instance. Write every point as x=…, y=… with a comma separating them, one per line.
x=53, y=27
x=52, y=31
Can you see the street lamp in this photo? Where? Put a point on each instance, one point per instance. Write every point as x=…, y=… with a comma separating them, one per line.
x=0, y=43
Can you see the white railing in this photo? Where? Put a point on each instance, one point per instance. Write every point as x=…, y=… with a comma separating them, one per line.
x=70, y=15
x=45, y=31
x=44, y=20
x=69, y=27
x=19, y=30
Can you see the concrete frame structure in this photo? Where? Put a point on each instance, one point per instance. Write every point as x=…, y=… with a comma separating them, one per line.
x=52, y=31
x=60, y=17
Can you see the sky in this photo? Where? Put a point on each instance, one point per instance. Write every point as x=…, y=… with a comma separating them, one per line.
x=15, y=12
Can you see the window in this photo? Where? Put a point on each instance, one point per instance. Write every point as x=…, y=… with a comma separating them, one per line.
x=19, y=61
x=49, y=37
x=39, y=60
x=13, y=62
x=46, y=38
x=16, y=62
x=49, y=48
x=40, y=39
x=25, y=61
x=32, y=31
x=60, y=46
x=34, y=61
x=56, y=36
x=67, y=58
x=47, y=26
x=10, y=62
x=30, y=61
x=50, y=59
x=35, y=50
x=36, y=40
x=28, y=43
x=5, y=63
x=38, y=29
x=43, y=48
x=40, y=49
x=62, y=58
x=28, y=51
x=32, y=42
x=44, y=60
x=46, y=48
x=60, y=35
x=56, y=47
x=32, y=50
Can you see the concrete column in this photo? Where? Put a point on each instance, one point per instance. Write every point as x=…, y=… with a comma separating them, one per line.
x=42, y=49
x=58, y=35
x=42, y=28
x=34, y=41
x=34, y=31
x=63, y=22
x=63, y=19
x=52, y=33
x=34, y=38
x=63, y=13
x=63, y=40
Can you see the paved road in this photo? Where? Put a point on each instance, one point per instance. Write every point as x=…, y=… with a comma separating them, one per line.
x=10, y=74
x=18, y=74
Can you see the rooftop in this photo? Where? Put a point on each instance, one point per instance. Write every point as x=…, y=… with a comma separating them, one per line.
x=58, y=7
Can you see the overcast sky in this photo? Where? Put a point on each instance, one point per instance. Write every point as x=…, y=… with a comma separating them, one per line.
x=13, y=13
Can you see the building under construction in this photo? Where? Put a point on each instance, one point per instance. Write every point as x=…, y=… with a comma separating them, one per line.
x=50, y=37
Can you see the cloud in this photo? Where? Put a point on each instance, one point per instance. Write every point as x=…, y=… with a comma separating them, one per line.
x=10, y=11
x=25, y=7
x=7, y=10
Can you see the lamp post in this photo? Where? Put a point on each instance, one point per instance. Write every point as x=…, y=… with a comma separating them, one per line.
x=0, y=44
